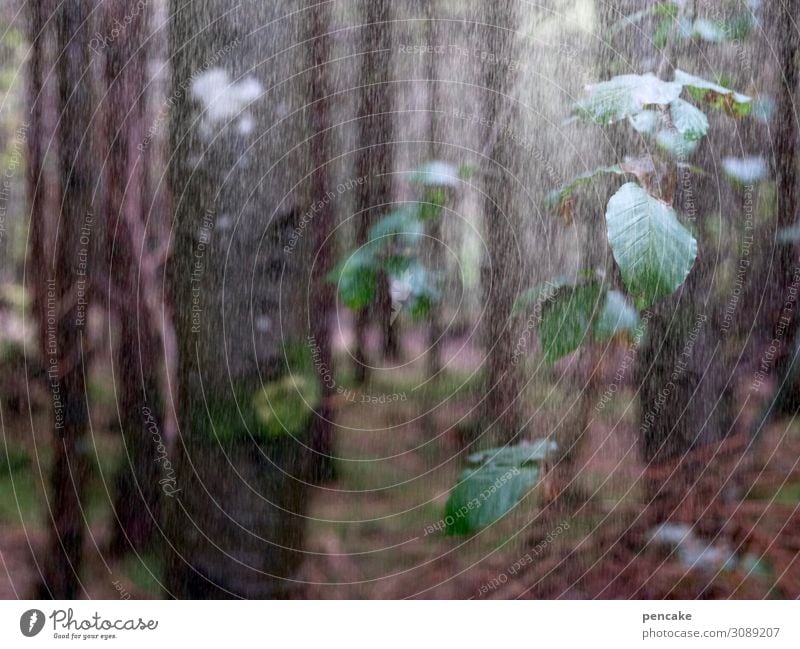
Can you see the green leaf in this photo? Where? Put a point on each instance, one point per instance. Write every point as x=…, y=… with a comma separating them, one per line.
x=740, y=27
x=676, y=144
x=618, y=316
x=710, y=31
x=437, y=174
x=567, y=320
x=518, y=455
x=715, y=95
x=652, y=249
x=499, y=479
x=689, y=121
x=415, y=290
x=746, y=171
x=356, y=278
x=583, y=312
x=465, y=172
x=431, y=206
x=486, y=494
x=558, y=196
x=666, y=9
x=533, y=296
x=403, y=222
x=398, y=264
x=647, y=122
x=663, y=29
x=625, y=96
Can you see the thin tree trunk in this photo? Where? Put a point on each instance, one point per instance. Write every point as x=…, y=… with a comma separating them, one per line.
x=375, y=163
x=323, y=297
x=782, y=23
x=66, y=317
x=435, y=328
x=501, y=271
x=136, y=494
x=36, y=182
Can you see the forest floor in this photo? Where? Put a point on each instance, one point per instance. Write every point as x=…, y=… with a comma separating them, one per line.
x=369, y=533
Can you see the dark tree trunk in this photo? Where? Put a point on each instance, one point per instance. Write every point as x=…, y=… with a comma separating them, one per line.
x=435, y=328
x=139, y=402
x=781, y=19
x=682, y=370
x=66, y=361
x=502, y=269
x=322, y=302
x=374, y=162
x=235, y=516
x=36, y=273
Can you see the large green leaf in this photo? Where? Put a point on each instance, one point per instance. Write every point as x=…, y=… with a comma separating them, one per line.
x=567, y=320
x=652, y=249
x=498, y=480
x=486, y=494
x=625, y=96
x=582, y=313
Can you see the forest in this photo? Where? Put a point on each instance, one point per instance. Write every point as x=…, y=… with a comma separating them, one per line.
x=373, y=299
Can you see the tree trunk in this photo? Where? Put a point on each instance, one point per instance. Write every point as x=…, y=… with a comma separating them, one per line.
x=683, y=373
x=36, y=181
x=323, y=300
x=127, y=275
x=502, y=270
x=235, y=515
x=374, y=162
x=66, y=316
x=436, y=245
x=782, y=28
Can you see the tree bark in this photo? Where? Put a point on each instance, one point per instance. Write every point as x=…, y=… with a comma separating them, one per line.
x=435, y=328
x=782, y=26
x=376, y=132
x=66, y=346
x=235, y=514
x=323, y=299
x=502, y=269
x=36, y=181
x=128, y=274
